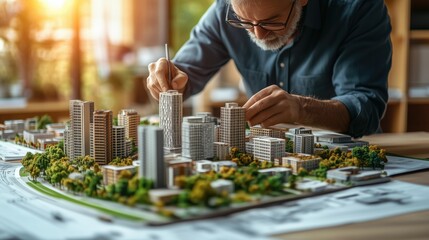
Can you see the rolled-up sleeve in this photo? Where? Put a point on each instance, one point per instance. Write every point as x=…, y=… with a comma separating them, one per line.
x=362, y=67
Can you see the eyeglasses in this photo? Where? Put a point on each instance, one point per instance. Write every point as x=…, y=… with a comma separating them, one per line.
x=268, y=26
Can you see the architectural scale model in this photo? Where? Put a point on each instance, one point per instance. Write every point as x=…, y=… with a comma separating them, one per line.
x=191, y=161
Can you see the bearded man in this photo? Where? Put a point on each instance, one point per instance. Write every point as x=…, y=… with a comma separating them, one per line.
x=320, y=63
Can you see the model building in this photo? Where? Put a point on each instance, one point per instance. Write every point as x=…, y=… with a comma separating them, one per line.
x=151, y=155
x=130, y=119
x=197, y=138
x=101, y=137
x=170, y=120
x=78, y=135
x=233, y=126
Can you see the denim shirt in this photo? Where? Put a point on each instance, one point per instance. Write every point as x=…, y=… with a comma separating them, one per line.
x=343, y=52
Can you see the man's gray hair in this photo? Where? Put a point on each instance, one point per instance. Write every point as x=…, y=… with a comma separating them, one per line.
x=240, y=2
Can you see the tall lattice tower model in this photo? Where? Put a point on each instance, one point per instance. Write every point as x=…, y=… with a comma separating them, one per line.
x=170, y=120
x=233, y=126
x=130, y=119
x=101, y=137
x=81, y=118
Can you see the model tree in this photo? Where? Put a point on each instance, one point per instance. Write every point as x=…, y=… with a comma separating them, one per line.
x=43, y=121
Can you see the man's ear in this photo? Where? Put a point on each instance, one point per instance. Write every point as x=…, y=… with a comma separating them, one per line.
x=303, y=2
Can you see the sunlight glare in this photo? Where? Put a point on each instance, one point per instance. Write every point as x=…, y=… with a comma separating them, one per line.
x=54, y=5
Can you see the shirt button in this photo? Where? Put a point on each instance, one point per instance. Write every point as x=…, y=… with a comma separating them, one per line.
x=282, y=65
x=281, y=84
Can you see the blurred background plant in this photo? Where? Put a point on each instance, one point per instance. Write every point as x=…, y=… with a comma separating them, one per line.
x=8, y=52
x=56, y=50
x=35, y=52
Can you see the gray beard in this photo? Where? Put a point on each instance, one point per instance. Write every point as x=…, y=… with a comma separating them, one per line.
x=279, y=41
x=270, y=45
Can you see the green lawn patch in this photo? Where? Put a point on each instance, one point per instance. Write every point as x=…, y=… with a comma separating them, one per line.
x=39, y=187
x=23, y=172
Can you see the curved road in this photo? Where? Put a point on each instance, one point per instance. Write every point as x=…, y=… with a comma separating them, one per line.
x=28, y=214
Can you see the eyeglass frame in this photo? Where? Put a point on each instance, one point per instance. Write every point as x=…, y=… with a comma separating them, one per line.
x=251, y=25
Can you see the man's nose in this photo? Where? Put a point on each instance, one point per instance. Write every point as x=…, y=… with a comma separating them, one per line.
x=259, y=32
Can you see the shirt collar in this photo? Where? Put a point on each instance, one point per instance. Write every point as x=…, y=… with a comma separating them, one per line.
x=312, y=15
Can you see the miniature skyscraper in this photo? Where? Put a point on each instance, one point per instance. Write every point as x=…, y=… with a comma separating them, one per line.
x=101, y=137
x=81, y=116
x=130, y=119
x=170, y=120
x=151, y=155
x=233, y=126
x=197, y=138
x=304, y=143
x=119, y=146
x=303, y=140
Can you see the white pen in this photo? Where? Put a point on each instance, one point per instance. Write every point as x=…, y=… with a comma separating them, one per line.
x=167, y=56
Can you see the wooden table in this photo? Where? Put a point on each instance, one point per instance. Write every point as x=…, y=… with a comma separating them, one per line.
x=412, y=144
x=407, y=226
x=58, y=111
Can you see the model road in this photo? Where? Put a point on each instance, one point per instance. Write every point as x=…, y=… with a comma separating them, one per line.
x=28, y=214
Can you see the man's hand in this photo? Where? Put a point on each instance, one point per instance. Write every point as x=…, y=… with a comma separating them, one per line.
x=270, y=106
x=273, y=105
x=158, y=81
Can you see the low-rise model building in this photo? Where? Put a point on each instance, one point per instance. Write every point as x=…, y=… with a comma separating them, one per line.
x=297, y=161
x=268, y=148
x=111, y=173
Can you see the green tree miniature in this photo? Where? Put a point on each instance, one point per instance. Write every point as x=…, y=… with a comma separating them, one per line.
x=201, y=192
x=43, y=121
x=302, y=172
x=292, y=181
x=289, y=146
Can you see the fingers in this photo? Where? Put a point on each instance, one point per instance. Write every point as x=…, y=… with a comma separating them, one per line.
x=260, y=101
x=158, y=81
x=264, y=116
x=270, y=106
x=180, y=80
x=161, y=74
x=273, y=120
